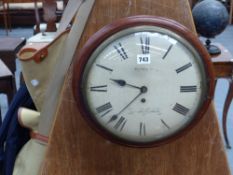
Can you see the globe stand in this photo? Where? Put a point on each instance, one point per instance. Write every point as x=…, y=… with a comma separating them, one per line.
x=212, y=49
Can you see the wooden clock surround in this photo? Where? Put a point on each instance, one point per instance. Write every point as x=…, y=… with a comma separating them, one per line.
x=122, y=24
x=75, y=149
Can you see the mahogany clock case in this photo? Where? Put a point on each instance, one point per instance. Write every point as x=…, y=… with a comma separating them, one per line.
x=122, y=24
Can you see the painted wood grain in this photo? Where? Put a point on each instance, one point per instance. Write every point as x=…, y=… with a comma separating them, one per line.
x=75, y=149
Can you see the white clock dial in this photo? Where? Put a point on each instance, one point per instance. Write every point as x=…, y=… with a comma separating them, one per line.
x=144, y=84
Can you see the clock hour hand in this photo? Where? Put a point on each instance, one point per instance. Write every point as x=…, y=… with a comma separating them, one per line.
x=143, y=90
x=123, y=83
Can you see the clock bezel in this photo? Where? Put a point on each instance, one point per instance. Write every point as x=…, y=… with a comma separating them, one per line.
x=122, y=24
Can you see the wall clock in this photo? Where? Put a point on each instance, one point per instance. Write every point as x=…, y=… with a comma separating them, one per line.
x=143, y=81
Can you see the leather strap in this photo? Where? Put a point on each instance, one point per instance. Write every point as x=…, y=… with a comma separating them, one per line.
x=53, y=92
x=69, y=13
x=40, y=138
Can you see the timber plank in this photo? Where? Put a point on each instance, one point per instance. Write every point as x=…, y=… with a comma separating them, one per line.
x=75, y=149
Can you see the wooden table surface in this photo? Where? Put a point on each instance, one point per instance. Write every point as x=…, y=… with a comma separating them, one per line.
x=4, y=70
x=9, y=46
x=223, y=63
x=75, y=149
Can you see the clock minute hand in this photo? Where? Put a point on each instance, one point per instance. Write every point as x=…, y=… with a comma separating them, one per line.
x=123, y=83
x=143, y=90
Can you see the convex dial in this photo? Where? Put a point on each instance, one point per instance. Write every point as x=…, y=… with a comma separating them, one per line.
x=143, y=84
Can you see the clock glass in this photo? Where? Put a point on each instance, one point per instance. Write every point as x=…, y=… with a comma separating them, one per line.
x=143, y=84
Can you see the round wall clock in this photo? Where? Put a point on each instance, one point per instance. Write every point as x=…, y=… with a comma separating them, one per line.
x=143, y=81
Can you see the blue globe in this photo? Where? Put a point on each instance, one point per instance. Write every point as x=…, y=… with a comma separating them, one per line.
x=210, y=18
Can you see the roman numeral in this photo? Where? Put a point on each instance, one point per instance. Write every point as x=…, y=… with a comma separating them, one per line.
x=104, y=109
x=188, y=88
x=99, y=88
x=181, y=69
x=165, y=124
x=120, y=124
x=180, y=109
x=145, y=45
x=121, y=51
x=104, y=67
x=168, y=50
x=142, y=129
